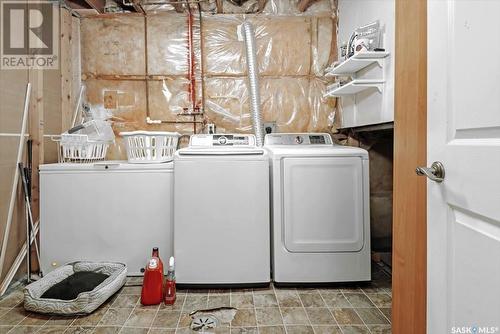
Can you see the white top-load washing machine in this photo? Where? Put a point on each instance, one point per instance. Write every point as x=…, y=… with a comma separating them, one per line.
x=221, y=212
x=320, y=209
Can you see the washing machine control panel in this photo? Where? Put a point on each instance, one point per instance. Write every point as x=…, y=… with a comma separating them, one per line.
x=221, y=140
x=298, y=139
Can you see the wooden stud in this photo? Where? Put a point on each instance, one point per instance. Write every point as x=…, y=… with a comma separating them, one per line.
x=66, y=69
x=220, y=8
x=333, y=56
x=76, y=80
x=36, y=121
x=37, y=130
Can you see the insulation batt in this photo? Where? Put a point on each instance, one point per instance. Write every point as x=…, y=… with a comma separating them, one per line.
x=283, y=45
x=113, y=46
x=279, y=7
x=125, y=77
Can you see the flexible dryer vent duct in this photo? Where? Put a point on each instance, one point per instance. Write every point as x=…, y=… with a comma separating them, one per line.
x=253, y=79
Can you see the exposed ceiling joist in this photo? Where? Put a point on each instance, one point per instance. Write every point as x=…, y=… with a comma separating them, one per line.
x=137, y=6
x=77, y=4
x=304, y=4
x=97, y=5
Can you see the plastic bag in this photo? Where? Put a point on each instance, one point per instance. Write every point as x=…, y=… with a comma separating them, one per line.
x=367, y=37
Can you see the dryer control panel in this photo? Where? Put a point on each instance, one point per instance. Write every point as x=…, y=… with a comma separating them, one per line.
x=222, y=140
x=298, y=139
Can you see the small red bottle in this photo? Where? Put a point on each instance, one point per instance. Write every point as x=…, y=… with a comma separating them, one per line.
x=152, y=285
x=170, y=283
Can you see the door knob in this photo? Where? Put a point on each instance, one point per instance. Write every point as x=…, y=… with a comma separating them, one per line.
x=435, y=172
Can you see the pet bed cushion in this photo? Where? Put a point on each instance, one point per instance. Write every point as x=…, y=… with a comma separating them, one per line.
x=74, y=285
x=70, y=287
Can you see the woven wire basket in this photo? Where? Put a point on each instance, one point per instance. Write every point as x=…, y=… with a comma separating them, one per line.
x=79, y=148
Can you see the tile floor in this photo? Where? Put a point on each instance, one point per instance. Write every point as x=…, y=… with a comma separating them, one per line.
x=337, y=310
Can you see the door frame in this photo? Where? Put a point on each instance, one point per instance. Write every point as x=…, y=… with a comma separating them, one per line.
x=409, y=263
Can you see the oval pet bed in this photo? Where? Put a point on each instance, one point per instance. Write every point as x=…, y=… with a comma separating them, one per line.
x=75, y=288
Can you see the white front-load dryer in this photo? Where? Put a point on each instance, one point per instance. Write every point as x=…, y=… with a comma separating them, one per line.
x=320, y=210
x=221, y=212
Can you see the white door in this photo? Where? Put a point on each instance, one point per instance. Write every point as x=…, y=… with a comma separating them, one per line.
x=463, y=124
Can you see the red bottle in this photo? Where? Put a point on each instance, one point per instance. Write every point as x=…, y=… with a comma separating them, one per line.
x=152, y=285
x=170, y=283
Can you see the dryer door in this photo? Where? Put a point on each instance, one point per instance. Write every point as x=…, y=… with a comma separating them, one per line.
x=322, y=204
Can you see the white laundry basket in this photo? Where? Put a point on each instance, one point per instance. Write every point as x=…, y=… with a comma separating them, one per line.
x=150, y=146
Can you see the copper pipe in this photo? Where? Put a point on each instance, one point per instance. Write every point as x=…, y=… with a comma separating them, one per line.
x=191, y=61
x=146, y=63
x=202, y=81
x=191, y=66
x=159, y=121
x=179, y=122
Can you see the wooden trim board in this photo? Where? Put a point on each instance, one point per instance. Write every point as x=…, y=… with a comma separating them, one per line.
x=65, y=59
x=410, y=151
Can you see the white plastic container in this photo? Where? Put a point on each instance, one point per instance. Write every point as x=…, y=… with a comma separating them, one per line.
x=150, y=146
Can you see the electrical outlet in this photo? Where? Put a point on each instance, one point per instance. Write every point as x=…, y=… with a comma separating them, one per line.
x=270, y=127
x=211, y=128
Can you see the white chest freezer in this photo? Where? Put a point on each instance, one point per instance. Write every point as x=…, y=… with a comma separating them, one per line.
x=106, y=211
